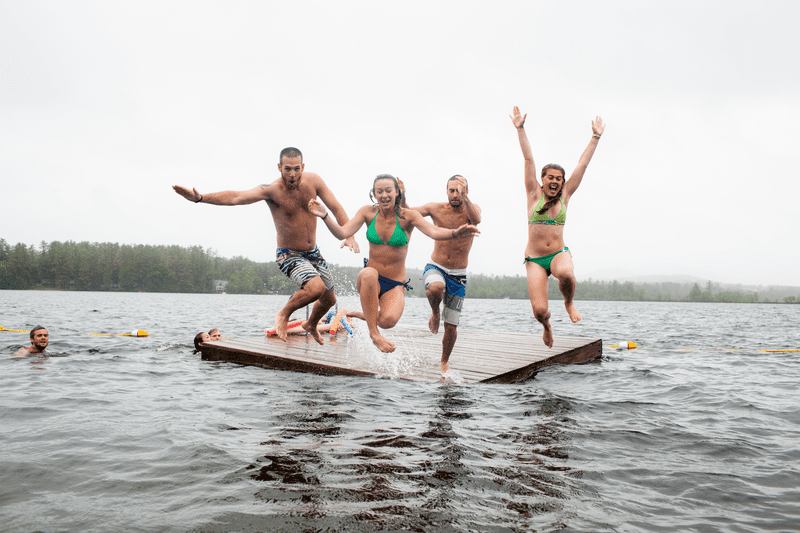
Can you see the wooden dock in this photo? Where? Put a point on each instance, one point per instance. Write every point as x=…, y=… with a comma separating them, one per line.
x=478, y=356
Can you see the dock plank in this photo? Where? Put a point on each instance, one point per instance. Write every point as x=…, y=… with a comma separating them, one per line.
x=478, y=356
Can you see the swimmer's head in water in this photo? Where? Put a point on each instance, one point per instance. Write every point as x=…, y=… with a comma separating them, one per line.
x=200, y=337
x=40, y=338
x=381, y=189
x=215, y=334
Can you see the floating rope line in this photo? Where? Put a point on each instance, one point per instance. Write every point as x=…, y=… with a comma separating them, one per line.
x=135, y=333
x=632, y=346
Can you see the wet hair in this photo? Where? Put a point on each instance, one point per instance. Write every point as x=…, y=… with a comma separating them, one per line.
x=37, y=328
x=398, y=200
x=548, y=204
x=213, y=330
x=455, y=177
x=198, y=339
x=290, y=151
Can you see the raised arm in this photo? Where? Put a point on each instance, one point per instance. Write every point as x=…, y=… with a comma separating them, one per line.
x=327, y=196
x=473, y=211
x=436, y=233
x=403, y=200
x=224, y=197
x=315, y=207
x=531, y=185
x=577, y=175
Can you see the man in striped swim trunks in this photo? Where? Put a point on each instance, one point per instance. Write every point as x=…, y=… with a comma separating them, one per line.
x=445, y=276
x=297, y=255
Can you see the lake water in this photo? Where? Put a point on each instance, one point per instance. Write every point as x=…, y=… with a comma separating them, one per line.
x=697, y=430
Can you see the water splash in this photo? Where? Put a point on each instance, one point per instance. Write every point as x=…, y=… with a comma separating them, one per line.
x=403, y=362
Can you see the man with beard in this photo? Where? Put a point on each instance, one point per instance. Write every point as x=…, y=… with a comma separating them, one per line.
x=445, y=276
x=297, y=255
x=40, y=338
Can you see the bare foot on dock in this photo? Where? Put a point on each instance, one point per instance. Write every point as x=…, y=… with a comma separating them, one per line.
x=433, y=321
x=572, y=311
x=547, y=336
x=281, y=321
x=383, y=344
x=445, y=368
x=312, y=330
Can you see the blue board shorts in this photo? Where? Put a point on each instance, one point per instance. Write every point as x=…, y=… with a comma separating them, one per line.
x=455, y=284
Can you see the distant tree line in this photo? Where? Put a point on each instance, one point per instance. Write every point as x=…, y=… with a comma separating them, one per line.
x=481, y=286
x=85, y=266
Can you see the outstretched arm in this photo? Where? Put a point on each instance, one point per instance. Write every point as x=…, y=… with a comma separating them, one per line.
x=224, y=197
x=315, y=207
x=531, y=185
x=327, y=196
x=577, y=175
x=436, y=233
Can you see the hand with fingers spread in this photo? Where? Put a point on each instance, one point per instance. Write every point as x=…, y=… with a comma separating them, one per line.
x=598, y=127
x=517, y=118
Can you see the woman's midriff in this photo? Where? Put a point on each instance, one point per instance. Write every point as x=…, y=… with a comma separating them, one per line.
x=389, y=261
x=544, y=240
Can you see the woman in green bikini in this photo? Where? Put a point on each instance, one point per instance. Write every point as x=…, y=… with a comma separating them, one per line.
x=546, y=253
x=381, y=284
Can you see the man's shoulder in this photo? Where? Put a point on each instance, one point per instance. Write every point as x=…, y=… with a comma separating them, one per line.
x=268, y=191
x=312, y=177
x=268, y=187
x=434, y=207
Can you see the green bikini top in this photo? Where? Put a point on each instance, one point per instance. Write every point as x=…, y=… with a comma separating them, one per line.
x=398, y=238
x=544, y=218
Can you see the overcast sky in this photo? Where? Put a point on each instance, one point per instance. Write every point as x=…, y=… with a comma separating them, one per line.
x=105, y=105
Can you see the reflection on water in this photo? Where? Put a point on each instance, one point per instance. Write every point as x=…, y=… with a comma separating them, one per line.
x=322, y=467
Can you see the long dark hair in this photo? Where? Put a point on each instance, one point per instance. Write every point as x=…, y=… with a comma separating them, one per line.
x=548, y=204
x=197, y=340
x=398, y=200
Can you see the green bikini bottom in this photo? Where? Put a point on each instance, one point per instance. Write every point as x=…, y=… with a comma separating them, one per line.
x=545, y=260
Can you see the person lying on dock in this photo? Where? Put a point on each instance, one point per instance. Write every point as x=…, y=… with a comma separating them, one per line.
x=445, y=276
x=389, y=225
x=545, y=252
x=298, y=256
x=40, y=339
x=324, y=326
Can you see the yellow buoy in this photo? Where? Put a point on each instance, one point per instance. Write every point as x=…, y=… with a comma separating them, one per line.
x=17, y=330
